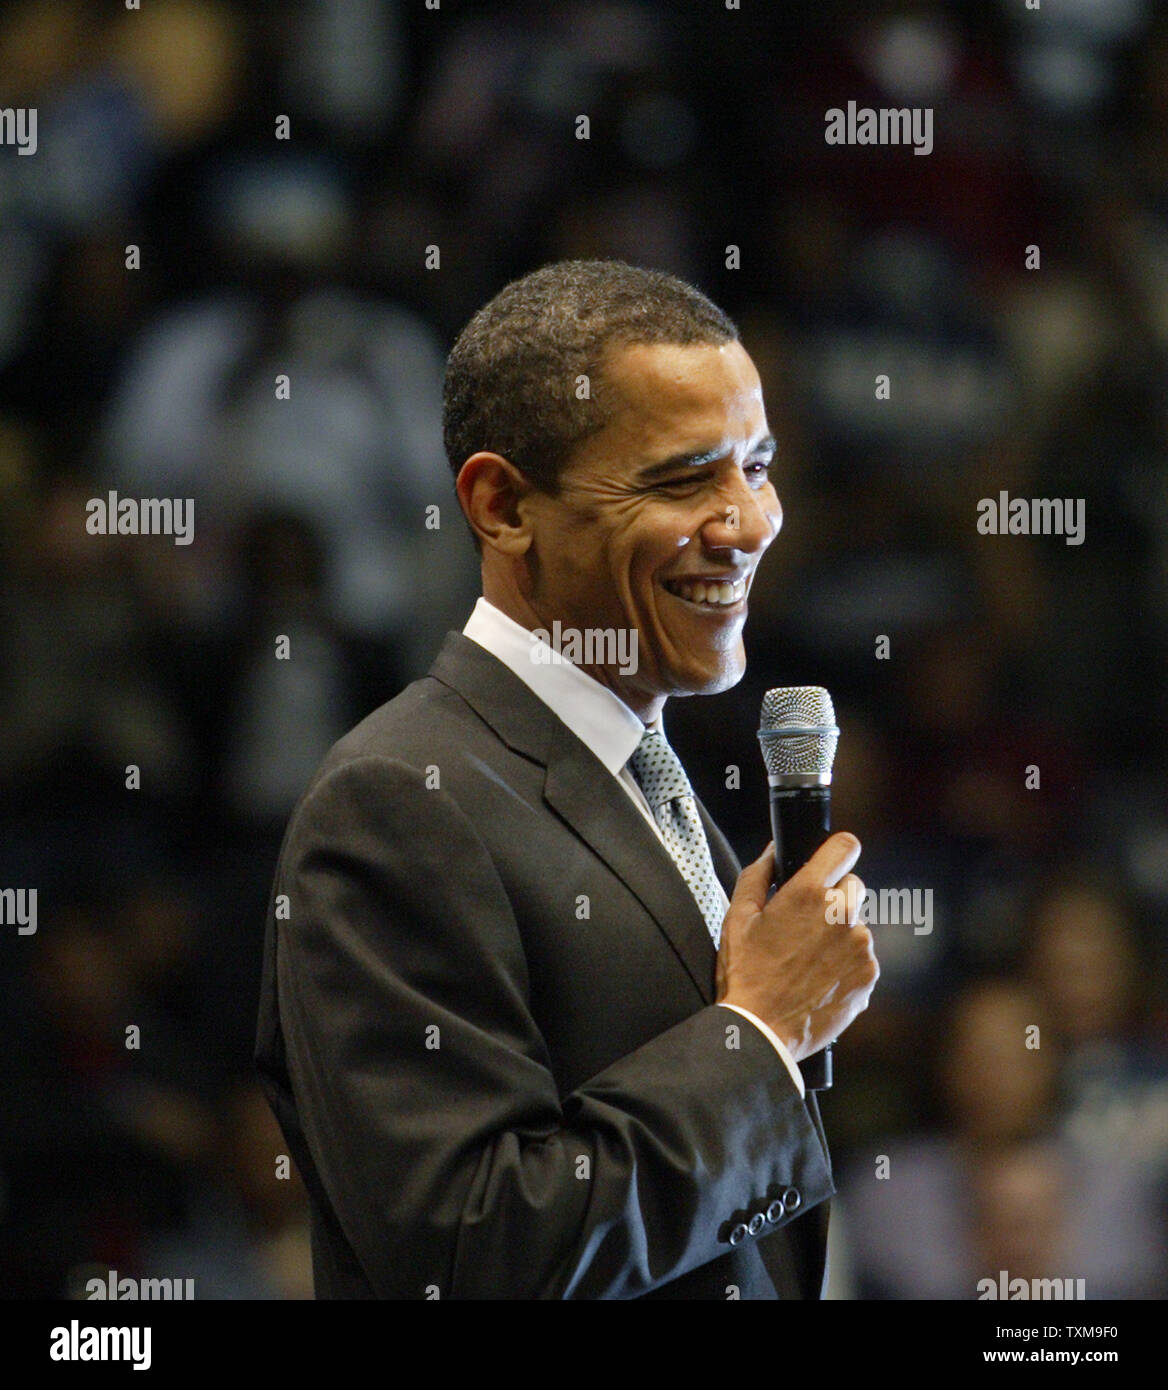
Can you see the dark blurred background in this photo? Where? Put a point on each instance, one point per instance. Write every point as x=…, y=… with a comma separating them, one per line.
x=959, y=1150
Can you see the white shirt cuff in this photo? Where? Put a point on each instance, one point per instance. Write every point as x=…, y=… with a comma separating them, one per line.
x=780, y=1047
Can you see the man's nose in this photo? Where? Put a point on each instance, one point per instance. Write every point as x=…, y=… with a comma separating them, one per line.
x=748, y=519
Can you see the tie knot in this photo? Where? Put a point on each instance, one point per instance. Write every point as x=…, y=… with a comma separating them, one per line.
x=658, y=770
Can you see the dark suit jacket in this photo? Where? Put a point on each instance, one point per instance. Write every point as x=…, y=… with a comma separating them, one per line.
x=487, y=1027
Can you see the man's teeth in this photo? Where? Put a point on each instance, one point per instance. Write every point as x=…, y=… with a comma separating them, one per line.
x=717, y=595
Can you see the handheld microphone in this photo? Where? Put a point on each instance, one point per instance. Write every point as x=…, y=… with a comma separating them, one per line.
x=798, y=735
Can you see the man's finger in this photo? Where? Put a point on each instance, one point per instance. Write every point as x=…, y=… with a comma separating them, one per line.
x=852, y=888
x=833, y=859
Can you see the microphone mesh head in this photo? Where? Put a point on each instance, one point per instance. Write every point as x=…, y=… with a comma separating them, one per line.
x=797, y=731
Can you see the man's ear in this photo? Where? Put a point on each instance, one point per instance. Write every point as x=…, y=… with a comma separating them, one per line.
x=491, y=491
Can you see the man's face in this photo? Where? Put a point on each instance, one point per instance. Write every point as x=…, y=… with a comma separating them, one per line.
x=673, y=494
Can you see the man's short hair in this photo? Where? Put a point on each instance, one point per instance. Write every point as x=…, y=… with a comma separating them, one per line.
x=513, y=379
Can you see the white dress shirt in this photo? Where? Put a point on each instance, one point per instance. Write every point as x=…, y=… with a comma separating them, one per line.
x=600, y=719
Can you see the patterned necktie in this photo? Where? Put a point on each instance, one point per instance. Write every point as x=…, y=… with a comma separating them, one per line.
x=667, y=790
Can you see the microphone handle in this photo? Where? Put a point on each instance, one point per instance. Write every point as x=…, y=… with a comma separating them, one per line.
x=800, y=822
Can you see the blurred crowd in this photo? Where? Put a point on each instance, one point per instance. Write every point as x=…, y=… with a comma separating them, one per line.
x=1003, y=1105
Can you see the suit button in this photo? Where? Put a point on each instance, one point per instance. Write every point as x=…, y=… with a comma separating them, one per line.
x=738, y=1234
x=757, y=1222
x=791, y=1198
x=776, y=1211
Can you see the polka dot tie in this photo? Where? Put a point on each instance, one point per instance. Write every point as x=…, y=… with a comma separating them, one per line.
x=667, y=790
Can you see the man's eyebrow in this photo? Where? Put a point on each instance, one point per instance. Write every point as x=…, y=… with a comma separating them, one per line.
x=766, y=445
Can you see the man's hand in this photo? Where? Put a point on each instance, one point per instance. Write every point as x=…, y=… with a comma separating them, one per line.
x=805, y=976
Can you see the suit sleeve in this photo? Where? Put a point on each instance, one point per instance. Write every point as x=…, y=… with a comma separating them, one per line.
x=425, y=1091
x=775, y=1041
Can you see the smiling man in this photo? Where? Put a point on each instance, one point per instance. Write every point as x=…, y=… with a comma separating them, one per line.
x=657, y=526
x=528, y=1030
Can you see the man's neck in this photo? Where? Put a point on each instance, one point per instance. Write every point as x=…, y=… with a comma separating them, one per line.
x=647, y=708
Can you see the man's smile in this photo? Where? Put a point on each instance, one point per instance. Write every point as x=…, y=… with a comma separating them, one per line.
x=725, y=595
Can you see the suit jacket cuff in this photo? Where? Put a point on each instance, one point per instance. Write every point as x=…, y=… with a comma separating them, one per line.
x=776, y=1043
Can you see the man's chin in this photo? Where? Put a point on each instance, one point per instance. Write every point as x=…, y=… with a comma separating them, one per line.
x=710, y=682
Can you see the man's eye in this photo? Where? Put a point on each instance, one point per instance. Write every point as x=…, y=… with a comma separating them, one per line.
x=688, y=480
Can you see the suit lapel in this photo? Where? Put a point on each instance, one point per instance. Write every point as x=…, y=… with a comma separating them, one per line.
x=581, y=790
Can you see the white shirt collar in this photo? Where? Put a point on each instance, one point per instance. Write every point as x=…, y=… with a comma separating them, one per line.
x=594, y=714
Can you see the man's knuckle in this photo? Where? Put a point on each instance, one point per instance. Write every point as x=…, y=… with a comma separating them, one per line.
x=805, y=896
